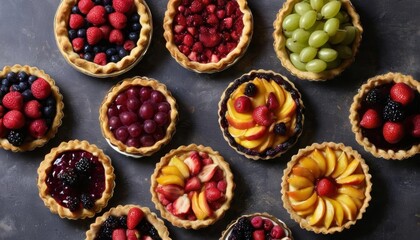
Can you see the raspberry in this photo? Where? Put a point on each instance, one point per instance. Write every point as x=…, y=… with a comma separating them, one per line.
x=122, y=6
x=196, y=6
x=2, y=111
x=93, y=35
x=76, y=21
x=14, y=119
x=250, y=90
x=116, y=37
x=13, y=100
x=78, y=44
x=117, y=20
x=128, y=45
x=38, y=128
x=105, y=31
x=96, y=15
x=100, y=59
x=41, y=89
x=257, y=222
x=85, y=6
x=262, y=116
x=32, y=109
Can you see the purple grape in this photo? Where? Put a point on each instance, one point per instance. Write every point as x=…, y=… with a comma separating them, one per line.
x=114, y=123
x=159, y=134
x=135, y=129
x=149, y=126
x=122, y=108
x=133, y=142
x=133, y=92
x=121, y=134
x=121, y=99
x=145, y=93
x=112, y=111
x=157, y=96
x=161, y=118
x=147, y=140
x=127, y=118
x=164, y=107
x=133, y=104
x=147, y=110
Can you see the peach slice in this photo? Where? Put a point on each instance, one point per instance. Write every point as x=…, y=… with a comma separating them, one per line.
x=320, y=160
x=299, y=182
x=260, y=98
x=301, y=194
x=318, y=213
x=250, y=144
x=268, y=87
x=204, y=206
x=338, y=212
x=352, y=179
x=200, y=214
x=310, y=164
x=341, y=165
x=182, y=167
x=350, y=169
x=288, y=108
x=358, y=202
x=279, y=92
x=170, y=179
x=303, y=205
x=269, y=139
x=352, y=192
x=238, y=92
x=255, y=132
x=329, y=213
x=349, y=207
x=306, y=212
x=331, y=161
x=172, y=170
x=303, y=172
x=237, y=116
x=240, y=124
x=234, y=132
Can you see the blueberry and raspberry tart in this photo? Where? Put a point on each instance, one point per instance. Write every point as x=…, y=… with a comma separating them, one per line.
x=317, y=40
x=31, y=108
x=326, y=187
x=138, y=116
x=103, y=38
x=207, y=36
x=261, y=114
x=257, y=226
x=128, y=222
x=76, y=180
x=385, y=116
x=192, y=186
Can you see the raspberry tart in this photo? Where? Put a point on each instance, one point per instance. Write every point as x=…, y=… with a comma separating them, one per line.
x=103, y=38
x=76, y=180
x=138, y=116
x=317, y=40
x=257, y=226
x=207, y=36
x=385, y=116
x=326, y=187
x=31, y=108
x=192, y=186
x=128, y=222
x=261, y=114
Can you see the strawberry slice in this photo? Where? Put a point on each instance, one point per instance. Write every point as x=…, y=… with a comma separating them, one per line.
x=209, y=40
x=208, y=172
x=272, y=102
x=134, y=216
x=170, y=191
x=133, y=234
x=193, y=184
x=194, y=164
x=212, y=194
x=182, y=205
x=262, y=116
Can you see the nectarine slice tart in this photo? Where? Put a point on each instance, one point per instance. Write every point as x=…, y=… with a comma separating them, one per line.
x=261, y=114
x=192, y=186
x=326, y=187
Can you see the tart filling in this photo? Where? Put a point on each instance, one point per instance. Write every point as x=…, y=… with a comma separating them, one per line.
x=326, y=187
x=261, y=114
x=192, y=186
x=76, y=180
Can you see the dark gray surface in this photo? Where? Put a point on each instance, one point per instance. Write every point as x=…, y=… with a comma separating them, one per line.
x=390, y=43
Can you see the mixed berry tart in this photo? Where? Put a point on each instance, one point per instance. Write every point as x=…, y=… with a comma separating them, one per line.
x=385, y=116
x=31, y=108
x=261, y=114
x=207, y=36
x=192, y=186
x=257, y=226
x=76, y=180
x=317, y=40
x=326, y=187
x=129, y=222
x=138, y=116
x=103, y=38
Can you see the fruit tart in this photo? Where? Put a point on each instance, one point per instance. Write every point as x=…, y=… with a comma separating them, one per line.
x=317, y=40
x=138, y=116
x=103, y=38
x=31, y=108
x=326, y=187
x=385, y=116
x=207, y=36
x=76, y=180
x=128, y=222
x=257, y=226
x=192, y=186
x=261, y=114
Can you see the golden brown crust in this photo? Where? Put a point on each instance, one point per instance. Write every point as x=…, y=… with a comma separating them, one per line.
x=219, y=160
x=285, y=186
x=28, y=146
x=225, y=62
x=109, y=99
x=283, y=55
x=46, y=165
x=90, y=68
x=122, y=210
x=355, y=118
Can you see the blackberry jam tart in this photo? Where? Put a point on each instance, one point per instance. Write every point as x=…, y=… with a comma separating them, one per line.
x=31, y=108
x=138, y=116
x=103, y=38
x=76, y=180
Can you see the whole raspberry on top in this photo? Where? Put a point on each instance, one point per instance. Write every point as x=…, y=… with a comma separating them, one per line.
x=41, y=89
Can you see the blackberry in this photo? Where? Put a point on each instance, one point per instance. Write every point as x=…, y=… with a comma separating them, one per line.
x=87, y=201
x=72, y=203
x=83, y=165
x=374, y=96
x=250, y=90
x=112, y=222
x=154, y=233
x=280, y=129
x=105, y=233
x=144, y=227
x=69, y=177
x=123, y=221
x=242, y=230
x=16, y=138
x=393, y=111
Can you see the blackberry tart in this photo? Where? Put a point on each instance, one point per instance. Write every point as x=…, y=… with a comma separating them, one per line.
x=385, y=116
x=128, y=222
x=76, y=180
x=138, y=116
x=31, y=108
x=103, y=38
x=207, y=36
x=261, y=114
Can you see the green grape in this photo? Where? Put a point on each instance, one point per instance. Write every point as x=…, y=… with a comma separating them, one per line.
x=342, y=16
x=331, y=9
x=331, y=26
x=307, y=20
x=288, y=34
x=316, y=66
x=327, y=54
x=302, y=7
x=318, y=38
x=300, y=35
x=334, y=64
x=338, y=37
x=293, y=46
x=319, y=25
x=307, y=54
x=344, y=52
x=291, y=22
x=350, y=35
x=317, y=4
x=294, y=57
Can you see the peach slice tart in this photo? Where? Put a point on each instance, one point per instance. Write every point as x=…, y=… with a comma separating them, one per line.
x=326, y=187
x=192, y=186
x=261, y=114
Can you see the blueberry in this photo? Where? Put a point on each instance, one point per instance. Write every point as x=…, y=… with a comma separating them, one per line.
x=4, y=89
x=88, y=56
x=111, y=51
x=81, y=32
x=136, y=26
x=135, y=18
x=133, y=36
x=75, y=9
x=88, y=48
x=107, y=2
x=22, y=76
x=11, y=76
x=97, y=2
x=16, y=87
x=27, y=95
x=115, y=58
x=48, y=111
x=72, y=34
x=23, y=86
x=5, y=82
x=32, y=79
x=109, y=9
x=122, y=53
x=96, y=49
x=50, y=101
